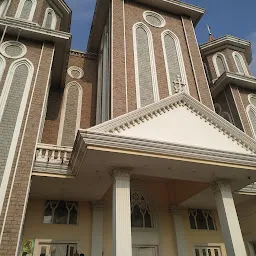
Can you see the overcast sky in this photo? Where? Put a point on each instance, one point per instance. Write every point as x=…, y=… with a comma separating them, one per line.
x=233, y=17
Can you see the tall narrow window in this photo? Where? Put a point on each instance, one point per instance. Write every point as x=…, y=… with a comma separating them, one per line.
x=26, y=9
x=13, y=101
x=145, y=69
x=175, y=69
x=3, y=6
x=50, y=19
x=251, y=111
x=220, y=64
x=70, y=115
x=240, y=65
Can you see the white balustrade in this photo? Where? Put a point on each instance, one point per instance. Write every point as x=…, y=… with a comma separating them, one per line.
x=46, y=153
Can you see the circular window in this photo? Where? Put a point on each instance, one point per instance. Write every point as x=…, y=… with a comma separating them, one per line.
x=13, y=49
x=75, y=72
x=154, y=19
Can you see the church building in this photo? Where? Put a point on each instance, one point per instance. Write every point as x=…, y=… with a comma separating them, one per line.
x=144, y=145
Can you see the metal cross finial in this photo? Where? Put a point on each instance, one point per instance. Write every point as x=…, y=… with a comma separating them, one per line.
x=209, y=29
x=178, y=85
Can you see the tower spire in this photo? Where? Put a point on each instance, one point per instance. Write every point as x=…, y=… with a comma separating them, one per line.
x=211, y=38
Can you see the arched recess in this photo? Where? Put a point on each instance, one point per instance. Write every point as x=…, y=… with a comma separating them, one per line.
x=220, y=63
x=13, y=101
x=3, y=7
x=145, y=67
x=2, y=66
x=251, y=111
x=240, y=64
x=70, y=114
x=50, y=19
x=218, y=108
x=174, y=63
x=26, y=9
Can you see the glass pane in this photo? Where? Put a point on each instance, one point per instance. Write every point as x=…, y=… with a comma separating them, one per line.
x=26, y=9
x=147, y=218
x=221, y=65
x=197, y=252
x=201, y=221
x=192, y=221
x=209, y=252
x=137, y=218
x=204, y=252
x=61, y=214
x=216, y=252
x=210, y=223
x=73, y=216
x=48, y=213
x=239, y=65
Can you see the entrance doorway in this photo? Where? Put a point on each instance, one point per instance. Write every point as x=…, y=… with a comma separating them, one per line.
x=144, y=251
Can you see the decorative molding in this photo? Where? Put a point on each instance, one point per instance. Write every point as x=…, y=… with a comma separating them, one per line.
x=2, y=66
x=54, y=18
x=134, y=118
x=32, y=11
x=97, y=205
x=178, y=85
x=253, y=109
x=175, y=209
x=221, y=185
x=180, y=60
x=234, y=54
x=215, y=64
x=122, y=174
x=155, y=15
x=20, y=45
x=81, y=54
x=77, y=69
x=152, y=62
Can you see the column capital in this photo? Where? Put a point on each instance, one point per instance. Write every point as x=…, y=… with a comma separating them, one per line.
x=121, y=174
x=97, y=205
x=221, y=185
x=175, y=209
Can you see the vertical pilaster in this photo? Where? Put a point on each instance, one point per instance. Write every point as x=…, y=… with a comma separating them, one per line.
x=122, y=240
x=228, y=219
x=176, y=213
x=97, y=228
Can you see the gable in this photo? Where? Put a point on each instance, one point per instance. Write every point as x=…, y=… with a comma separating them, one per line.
x=180, y=120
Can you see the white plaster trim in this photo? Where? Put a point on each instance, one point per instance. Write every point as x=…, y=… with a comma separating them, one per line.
x=230, y=111
x=20, y=116
x=14, y=43
x=3, y=8
x=74, y=68
x=250, y=96
x=54, y=18
x=242, y=63
x=63, y=110
x=2, y=66
x=99, y=88
x=127, y=121
x=152, y=62
x=251, y=107
x=214, y=60
x=156, y=15
x=180, y=60
x=20, y=7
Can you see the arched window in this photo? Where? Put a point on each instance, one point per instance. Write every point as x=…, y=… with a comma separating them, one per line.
x=174, y=64
x=145, y=69
x=50, y=19
x=70, y=114
x=220, y=64
x=225, y=115
x=218, y=108
x=2, y=66
x=141, y=214
x=251, y=111
x=26, y=9
x=13, y=101
x=3, y=6
x=240, y=65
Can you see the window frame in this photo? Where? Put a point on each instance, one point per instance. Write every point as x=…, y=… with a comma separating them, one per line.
x=235, y=53
x=32, y=11
x=3, y=8
x=152, y=62
x=214, y=59
x=219, y=246
x=54, y=18
x=2, y=61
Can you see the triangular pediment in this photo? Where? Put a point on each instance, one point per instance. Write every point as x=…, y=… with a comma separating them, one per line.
x=182, y=120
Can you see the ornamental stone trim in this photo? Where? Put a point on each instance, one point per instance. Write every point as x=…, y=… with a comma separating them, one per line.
x=155, y=15
x=75, y=69
x=15, y=44
x=122, y=174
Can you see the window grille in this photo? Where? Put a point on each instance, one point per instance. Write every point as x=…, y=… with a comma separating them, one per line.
x=201, y=219
x=61, y=212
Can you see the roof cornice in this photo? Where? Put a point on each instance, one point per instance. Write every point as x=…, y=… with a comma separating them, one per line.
x=83, y=54
x=226, y=78
x=227, y=41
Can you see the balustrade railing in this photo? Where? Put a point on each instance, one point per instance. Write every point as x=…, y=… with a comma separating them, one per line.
x=46, y=153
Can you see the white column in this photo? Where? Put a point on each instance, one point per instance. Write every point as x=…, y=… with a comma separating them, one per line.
x=122, y=237
x=97, y=228
x=230, y=227
x=176, y=213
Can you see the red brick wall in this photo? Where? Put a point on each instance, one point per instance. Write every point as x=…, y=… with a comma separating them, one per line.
x=19, y=181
